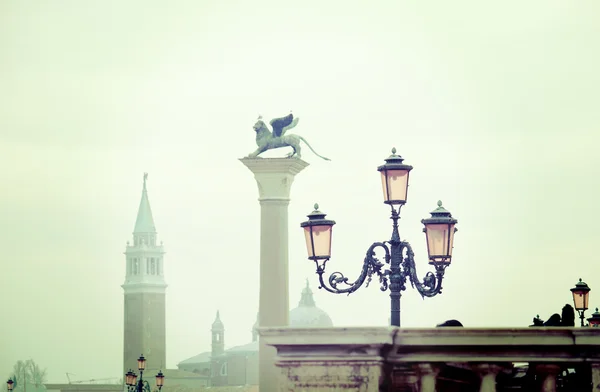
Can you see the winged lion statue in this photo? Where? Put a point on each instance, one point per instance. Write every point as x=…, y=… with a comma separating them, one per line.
x=267, y=140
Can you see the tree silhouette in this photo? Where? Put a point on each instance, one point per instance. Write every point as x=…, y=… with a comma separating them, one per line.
x=28, y=377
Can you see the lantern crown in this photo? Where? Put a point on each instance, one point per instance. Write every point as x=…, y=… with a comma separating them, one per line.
x=580, y=287
x=394, y=162
x=440, y=215
x=594, y=321
x=317, y=218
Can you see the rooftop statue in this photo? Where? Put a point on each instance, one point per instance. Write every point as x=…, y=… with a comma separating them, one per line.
x=265, y=140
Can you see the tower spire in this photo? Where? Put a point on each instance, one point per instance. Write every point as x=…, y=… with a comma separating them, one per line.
x=306, y=298
x=144, y=223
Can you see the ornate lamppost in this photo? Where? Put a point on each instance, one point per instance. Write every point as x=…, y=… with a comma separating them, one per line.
x=141, y=385
x=581, y=294
x=10, y=385
x=399, y=257
x=594, y=321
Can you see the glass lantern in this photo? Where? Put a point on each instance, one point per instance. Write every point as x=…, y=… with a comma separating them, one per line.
x=394, y=179
x=317, y=233
x=439, y=232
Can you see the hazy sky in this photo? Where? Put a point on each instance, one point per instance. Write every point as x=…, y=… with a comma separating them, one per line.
x=495, y=106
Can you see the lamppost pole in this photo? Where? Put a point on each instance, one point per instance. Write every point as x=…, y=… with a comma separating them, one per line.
x=141, y=385
x=399, y=256
x=395, y=272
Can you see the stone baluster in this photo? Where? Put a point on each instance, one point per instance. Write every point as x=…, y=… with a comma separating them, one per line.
x=595, y=376
x=427, y=374
x=487, y=373
x=547, y=373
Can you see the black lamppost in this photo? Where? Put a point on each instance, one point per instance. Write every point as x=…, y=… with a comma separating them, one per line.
x=439, y=231
x=594, y=321
x=581, y=294
x=141, y=385
x=9, y=385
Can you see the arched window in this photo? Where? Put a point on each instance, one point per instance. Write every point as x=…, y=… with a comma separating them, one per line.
x=136, y=266
x=224, y=369
x=152, y=266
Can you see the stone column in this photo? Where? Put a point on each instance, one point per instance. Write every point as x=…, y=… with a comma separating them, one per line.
x=274, y=177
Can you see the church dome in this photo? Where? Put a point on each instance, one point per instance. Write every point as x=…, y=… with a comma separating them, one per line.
x=307, y=314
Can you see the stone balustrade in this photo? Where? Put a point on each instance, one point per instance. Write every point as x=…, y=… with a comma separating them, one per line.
x=434, y=359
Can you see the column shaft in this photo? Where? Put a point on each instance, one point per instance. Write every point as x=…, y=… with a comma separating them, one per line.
x=274, y=178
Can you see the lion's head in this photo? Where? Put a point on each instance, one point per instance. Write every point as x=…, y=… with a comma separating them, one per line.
x=260, y=124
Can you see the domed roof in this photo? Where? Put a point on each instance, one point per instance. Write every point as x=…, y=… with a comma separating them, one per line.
x=307, y=314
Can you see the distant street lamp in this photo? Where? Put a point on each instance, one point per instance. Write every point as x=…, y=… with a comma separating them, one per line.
x=594, y=321
x=439, y=231
x=141, y=385
x=9, y=385
x=581, y=293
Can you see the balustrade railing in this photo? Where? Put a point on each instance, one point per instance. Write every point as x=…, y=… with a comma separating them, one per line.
x=436, y=359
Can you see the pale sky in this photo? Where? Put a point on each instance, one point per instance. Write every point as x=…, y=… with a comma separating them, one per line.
x=495, y=106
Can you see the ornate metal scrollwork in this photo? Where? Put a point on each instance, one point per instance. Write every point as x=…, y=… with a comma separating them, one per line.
x=398, y=265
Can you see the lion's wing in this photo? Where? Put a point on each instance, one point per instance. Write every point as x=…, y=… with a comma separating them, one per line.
x=279, y=124
x=292, y=125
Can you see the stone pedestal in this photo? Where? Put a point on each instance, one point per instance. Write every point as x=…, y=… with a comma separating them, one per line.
x=274, y=177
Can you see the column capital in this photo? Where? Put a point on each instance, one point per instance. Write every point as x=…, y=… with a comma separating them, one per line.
x=427, y=373
x=551, y=369
x=274, y=176
x=484, y=369
x=488, y=373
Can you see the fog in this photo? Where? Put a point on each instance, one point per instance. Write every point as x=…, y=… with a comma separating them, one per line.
x=495, y=106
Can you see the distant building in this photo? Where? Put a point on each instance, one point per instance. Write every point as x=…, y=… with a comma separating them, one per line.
x=144, y=293
x=238, y=365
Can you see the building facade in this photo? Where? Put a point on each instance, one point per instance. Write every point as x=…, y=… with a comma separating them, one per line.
x=238, y=365
x=144, y=293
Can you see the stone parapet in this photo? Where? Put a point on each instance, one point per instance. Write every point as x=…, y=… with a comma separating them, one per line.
x=364, y=359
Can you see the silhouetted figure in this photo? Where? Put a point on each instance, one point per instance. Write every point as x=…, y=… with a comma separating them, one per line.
x=568, y=316
x=553, y=321
x=450, y=323
x=537, y=322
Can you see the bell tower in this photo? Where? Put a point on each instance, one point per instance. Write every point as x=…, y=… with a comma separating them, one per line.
x=218, y=336
x=144, y=293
